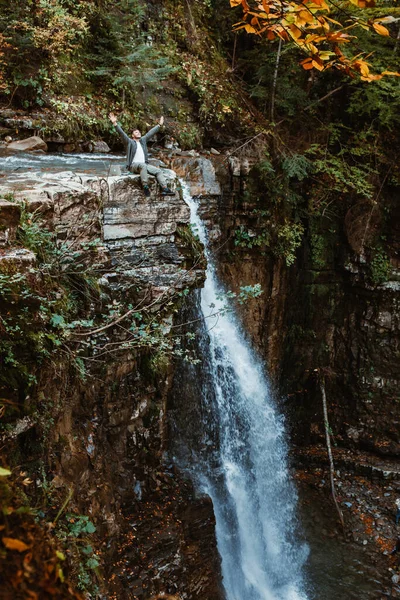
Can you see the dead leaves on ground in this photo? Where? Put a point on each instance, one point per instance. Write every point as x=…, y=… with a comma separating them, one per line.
x=31, y=567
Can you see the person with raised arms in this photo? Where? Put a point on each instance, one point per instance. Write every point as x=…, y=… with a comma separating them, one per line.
x=137, y=156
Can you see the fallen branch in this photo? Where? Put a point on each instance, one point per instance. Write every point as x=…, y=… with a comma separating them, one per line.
x=328, y=445
x=324, y=97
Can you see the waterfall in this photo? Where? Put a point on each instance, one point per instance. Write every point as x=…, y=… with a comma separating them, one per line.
x=241, y=461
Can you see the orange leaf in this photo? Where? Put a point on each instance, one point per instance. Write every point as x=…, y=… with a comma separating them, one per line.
x=317, y=65
x=294, y=31
x=236, y=2
x=380, y=29
x=391, y=73
x=362, y=67
x=307, y=64
x=270, y=35
x=13, y=544
x=306, y=16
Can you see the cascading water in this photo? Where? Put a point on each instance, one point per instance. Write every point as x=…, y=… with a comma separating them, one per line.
x=241, y=460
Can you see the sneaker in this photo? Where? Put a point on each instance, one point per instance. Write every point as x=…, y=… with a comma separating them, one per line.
x=146, y=191
x=167, y=192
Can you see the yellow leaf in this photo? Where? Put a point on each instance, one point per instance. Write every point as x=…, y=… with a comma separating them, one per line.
x=388, y=19
x=4, y=472
x=333, y=21
x=13, y=544
x=249, y=28
x=362, y=67
x=317, y=65
x=371, y=77
x=307, y=16
x=326, y=55
x=391, y=73
x=380, y=29
x=294, y=32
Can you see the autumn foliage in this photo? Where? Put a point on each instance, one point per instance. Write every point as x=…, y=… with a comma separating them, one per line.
x=308, y=24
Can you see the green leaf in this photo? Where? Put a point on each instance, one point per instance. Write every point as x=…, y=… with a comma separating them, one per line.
x=57, y=321
x=92, y=563
x=4, y=472
x=90, y=528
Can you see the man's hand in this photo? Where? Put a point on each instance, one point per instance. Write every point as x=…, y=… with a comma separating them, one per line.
x=113, y=118
x=161, y=121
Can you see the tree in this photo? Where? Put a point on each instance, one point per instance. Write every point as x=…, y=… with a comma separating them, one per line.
x=325, y=41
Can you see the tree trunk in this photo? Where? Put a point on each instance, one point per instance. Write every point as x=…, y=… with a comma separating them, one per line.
x=275, y=80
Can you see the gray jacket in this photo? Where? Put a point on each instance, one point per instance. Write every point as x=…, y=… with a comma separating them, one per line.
x=131, y=143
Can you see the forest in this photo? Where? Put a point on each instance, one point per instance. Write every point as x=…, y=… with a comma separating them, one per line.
x=282, y=126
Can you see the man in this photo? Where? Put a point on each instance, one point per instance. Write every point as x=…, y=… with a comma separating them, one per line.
x=138, y=158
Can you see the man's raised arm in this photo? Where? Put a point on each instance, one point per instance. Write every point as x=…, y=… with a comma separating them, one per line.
x=121, y=132
x=155, y=129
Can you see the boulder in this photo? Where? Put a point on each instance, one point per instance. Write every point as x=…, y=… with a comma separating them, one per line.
x=31, y=143
x=101, y=146
x=199, y=173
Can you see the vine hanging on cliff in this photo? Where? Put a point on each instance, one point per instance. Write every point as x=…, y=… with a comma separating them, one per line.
x=306, y=24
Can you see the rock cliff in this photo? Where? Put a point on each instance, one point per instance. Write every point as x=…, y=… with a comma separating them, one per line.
x=96, y=443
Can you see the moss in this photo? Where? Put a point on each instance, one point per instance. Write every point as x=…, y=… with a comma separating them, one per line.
x=380, y=267
x=192, y=247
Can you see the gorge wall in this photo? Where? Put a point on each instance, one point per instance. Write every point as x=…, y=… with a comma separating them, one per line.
x=322, y=313
x=92, y=443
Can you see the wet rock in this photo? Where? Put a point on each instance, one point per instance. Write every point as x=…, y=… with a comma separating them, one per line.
x=32, y=143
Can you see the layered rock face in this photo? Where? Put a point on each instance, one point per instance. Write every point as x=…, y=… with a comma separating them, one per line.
x=323, y=314
x=107, y=440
